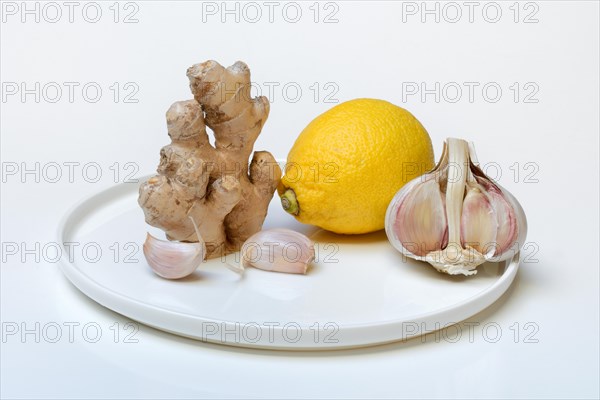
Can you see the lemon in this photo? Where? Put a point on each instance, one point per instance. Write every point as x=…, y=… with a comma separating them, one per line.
x=348, y=163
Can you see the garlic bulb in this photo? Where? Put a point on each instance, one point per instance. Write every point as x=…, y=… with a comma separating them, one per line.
x=455, y=217
x=280, y=250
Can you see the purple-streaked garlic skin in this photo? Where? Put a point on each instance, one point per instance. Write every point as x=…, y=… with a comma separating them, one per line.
x=455, y=225
x=512, y=229
x=173, y=260
x=512, y=222
x=393, y=228
x=423, y=212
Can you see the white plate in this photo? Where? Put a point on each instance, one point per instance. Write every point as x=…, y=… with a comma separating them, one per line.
x=359, y=292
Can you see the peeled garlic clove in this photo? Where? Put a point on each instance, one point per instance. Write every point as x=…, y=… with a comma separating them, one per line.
x=478, y=223
x=173, y=260
x=280, y=250
x=420, y=222
x=483, y=221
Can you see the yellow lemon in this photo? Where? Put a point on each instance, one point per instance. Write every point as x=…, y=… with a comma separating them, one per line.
x=348, y=163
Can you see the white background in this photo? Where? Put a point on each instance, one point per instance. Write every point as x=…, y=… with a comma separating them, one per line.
x=375, y=49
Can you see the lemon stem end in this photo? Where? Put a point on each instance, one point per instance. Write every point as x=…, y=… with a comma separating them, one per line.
x=289, y=202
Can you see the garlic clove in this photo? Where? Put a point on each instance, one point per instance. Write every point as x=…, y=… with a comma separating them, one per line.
x=280, y=250
x=508, y=231
x=173, y=260
x=520, y=228
x=420, y=223
x=478, y=223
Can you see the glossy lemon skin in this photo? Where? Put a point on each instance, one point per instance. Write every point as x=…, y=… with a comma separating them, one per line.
x=348, y=163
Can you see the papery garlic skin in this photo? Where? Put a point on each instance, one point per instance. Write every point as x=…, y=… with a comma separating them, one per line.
x=483, y=222
x=173, y=260
x=280, y=250
x=425, y=219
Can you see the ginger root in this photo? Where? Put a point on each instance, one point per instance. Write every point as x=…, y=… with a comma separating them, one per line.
x=213, y=185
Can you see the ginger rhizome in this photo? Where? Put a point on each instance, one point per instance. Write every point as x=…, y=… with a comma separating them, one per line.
x=213, y=185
